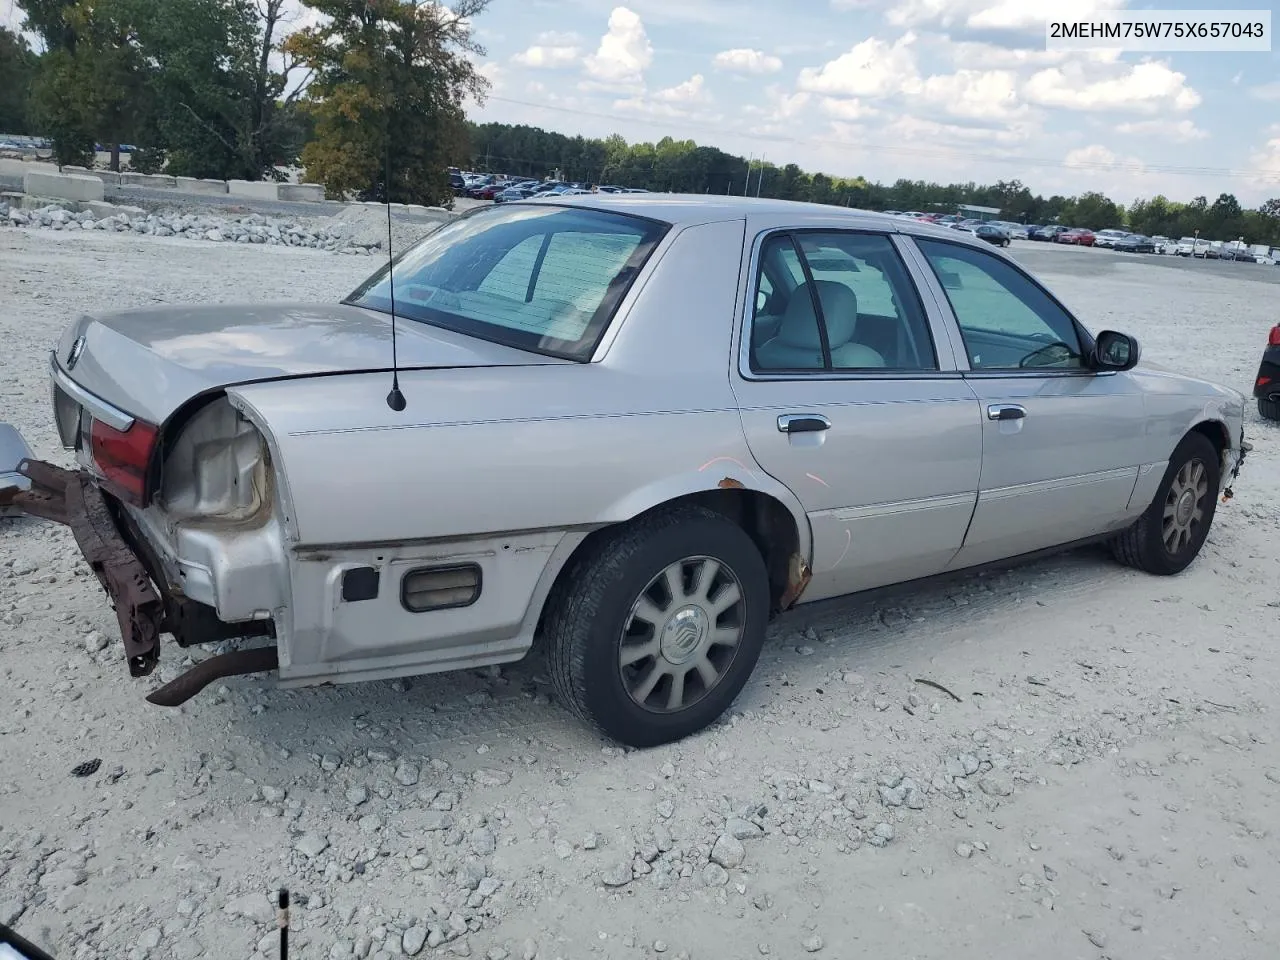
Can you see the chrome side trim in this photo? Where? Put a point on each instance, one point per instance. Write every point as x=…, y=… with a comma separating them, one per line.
x=112, y=416
x=901, y=506
x=1058, y=483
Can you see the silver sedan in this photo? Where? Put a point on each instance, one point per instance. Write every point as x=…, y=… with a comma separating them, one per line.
x=638, y=427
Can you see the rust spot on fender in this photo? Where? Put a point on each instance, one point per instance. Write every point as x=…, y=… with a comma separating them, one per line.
x=728, y=483
x=798, y=576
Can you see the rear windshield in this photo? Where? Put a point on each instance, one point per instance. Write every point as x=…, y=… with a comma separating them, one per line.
x=536, y=277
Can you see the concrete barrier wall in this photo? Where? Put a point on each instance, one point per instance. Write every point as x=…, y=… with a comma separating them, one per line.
x=192, y=185
x=258, y=189
x=312, y=192
x=13, y=171
x=61, y=186
x=109, y=177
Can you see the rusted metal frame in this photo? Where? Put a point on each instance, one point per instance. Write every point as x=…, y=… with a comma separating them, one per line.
x=72, y=498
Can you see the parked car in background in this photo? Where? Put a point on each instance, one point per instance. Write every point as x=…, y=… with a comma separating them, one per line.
x=457, y=183
x=1048, y=233
x=217, y=447
x=992, y=234
x=1015, y=231
x=1212, y=250
x=513, y=193
x=1164, y=245
x=1187, y=247
x=1077, y=236
x=1266, y=387
x=1238, y=251
x=1135, y=243
x=1108, y=238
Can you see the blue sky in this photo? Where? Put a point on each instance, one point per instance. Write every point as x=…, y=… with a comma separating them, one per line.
x=950, y=90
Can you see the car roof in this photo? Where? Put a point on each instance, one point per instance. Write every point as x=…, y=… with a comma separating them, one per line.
x=681, y=209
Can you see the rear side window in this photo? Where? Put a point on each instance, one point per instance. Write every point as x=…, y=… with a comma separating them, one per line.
x=837, y=301
x=545, y=279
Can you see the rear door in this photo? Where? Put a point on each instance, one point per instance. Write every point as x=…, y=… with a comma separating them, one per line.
x=1061, y=444
x=849, y=395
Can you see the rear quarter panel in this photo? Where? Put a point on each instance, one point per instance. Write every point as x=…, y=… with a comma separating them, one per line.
x=485, y=451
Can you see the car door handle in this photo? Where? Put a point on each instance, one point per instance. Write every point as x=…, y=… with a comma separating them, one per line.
x=1005, y=411
x=803, y=423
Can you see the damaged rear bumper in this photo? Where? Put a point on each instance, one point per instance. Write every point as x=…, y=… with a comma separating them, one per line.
x=73, y=498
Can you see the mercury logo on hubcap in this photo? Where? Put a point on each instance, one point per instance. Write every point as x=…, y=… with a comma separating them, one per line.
x=683, y=633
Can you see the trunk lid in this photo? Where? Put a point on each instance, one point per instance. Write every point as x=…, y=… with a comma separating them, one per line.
x=150, y=362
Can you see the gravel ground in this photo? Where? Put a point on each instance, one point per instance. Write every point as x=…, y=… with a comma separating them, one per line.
x=1106, y=784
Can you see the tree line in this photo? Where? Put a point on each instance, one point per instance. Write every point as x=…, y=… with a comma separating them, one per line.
x=685, y=167
x=371, y=103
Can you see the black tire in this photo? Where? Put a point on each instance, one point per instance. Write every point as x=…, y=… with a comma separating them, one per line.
x=592, y=608
x=1268, y=409
x=1143, y=545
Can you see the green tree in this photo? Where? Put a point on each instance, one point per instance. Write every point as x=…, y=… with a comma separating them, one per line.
x=389, y=81
x=92, y=82
x=17, y=70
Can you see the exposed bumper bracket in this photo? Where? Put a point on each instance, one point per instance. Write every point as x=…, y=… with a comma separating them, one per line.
x=73, y=499
x=181, y=689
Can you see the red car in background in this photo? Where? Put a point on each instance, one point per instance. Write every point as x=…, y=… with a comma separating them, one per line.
x=1078, y=236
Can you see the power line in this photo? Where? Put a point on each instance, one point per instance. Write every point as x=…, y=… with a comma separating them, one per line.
x=879, y=147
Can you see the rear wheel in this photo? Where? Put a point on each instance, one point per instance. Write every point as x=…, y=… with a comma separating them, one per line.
x=1170, y=533
x=1268, y=409
x=658, y=625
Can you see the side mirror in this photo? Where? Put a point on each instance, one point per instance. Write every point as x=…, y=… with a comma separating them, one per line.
x=1115, y=351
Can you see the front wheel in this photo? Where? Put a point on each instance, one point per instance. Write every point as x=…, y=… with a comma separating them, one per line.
x=658, y=625
x=1171, y=531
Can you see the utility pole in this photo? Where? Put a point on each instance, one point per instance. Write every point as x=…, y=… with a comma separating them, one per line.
x=760, y=175
x=747, y=186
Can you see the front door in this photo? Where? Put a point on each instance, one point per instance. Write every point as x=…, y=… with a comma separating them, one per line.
x=1061, y=444
x=846, y=400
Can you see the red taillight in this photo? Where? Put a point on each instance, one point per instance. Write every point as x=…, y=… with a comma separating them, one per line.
x=1273, y=338
x=1262, y=381
x=123, y=456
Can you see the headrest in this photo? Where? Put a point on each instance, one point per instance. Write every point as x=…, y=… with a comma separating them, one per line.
x=799, y=327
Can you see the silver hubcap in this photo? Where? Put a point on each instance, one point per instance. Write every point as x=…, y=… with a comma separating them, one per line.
x=682, y=634
x=1183, y=507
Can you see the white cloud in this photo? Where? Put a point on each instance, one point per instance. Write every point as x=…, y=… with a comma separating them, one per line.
x=1184, y=131
x=847, y=109
x=691, y=91
x=1097, y=157
x=916, y=130
x=876, y=69
x=547, y=57
x=1266, y=160
x=744, y=60
x=1150, y=87
x=624, y=52
x=871, y=68
x=972, y=94
x=1268, y=91
x=989, y=56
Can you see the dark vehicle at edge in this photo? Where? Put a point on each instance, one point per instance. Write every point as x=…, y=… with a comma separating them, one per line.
x=1266, y=388
x=1135, y=243
x=994, y=235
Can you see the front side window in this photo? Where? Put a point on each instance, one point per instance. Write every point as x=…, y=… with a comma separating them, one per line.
x=837, y=301
x=1006, y=320
x=543, y=279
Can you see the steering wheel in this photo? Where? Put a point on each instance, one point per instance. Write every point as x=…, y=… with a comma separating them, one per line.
x=1049, y=355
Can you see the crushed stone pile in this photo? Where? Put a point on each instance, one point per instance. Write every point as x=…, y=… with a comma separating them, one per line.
x=359, y=230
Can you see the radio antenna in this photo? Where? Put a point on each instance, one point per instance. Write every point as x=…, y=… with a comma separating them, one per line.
x=395, y=399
